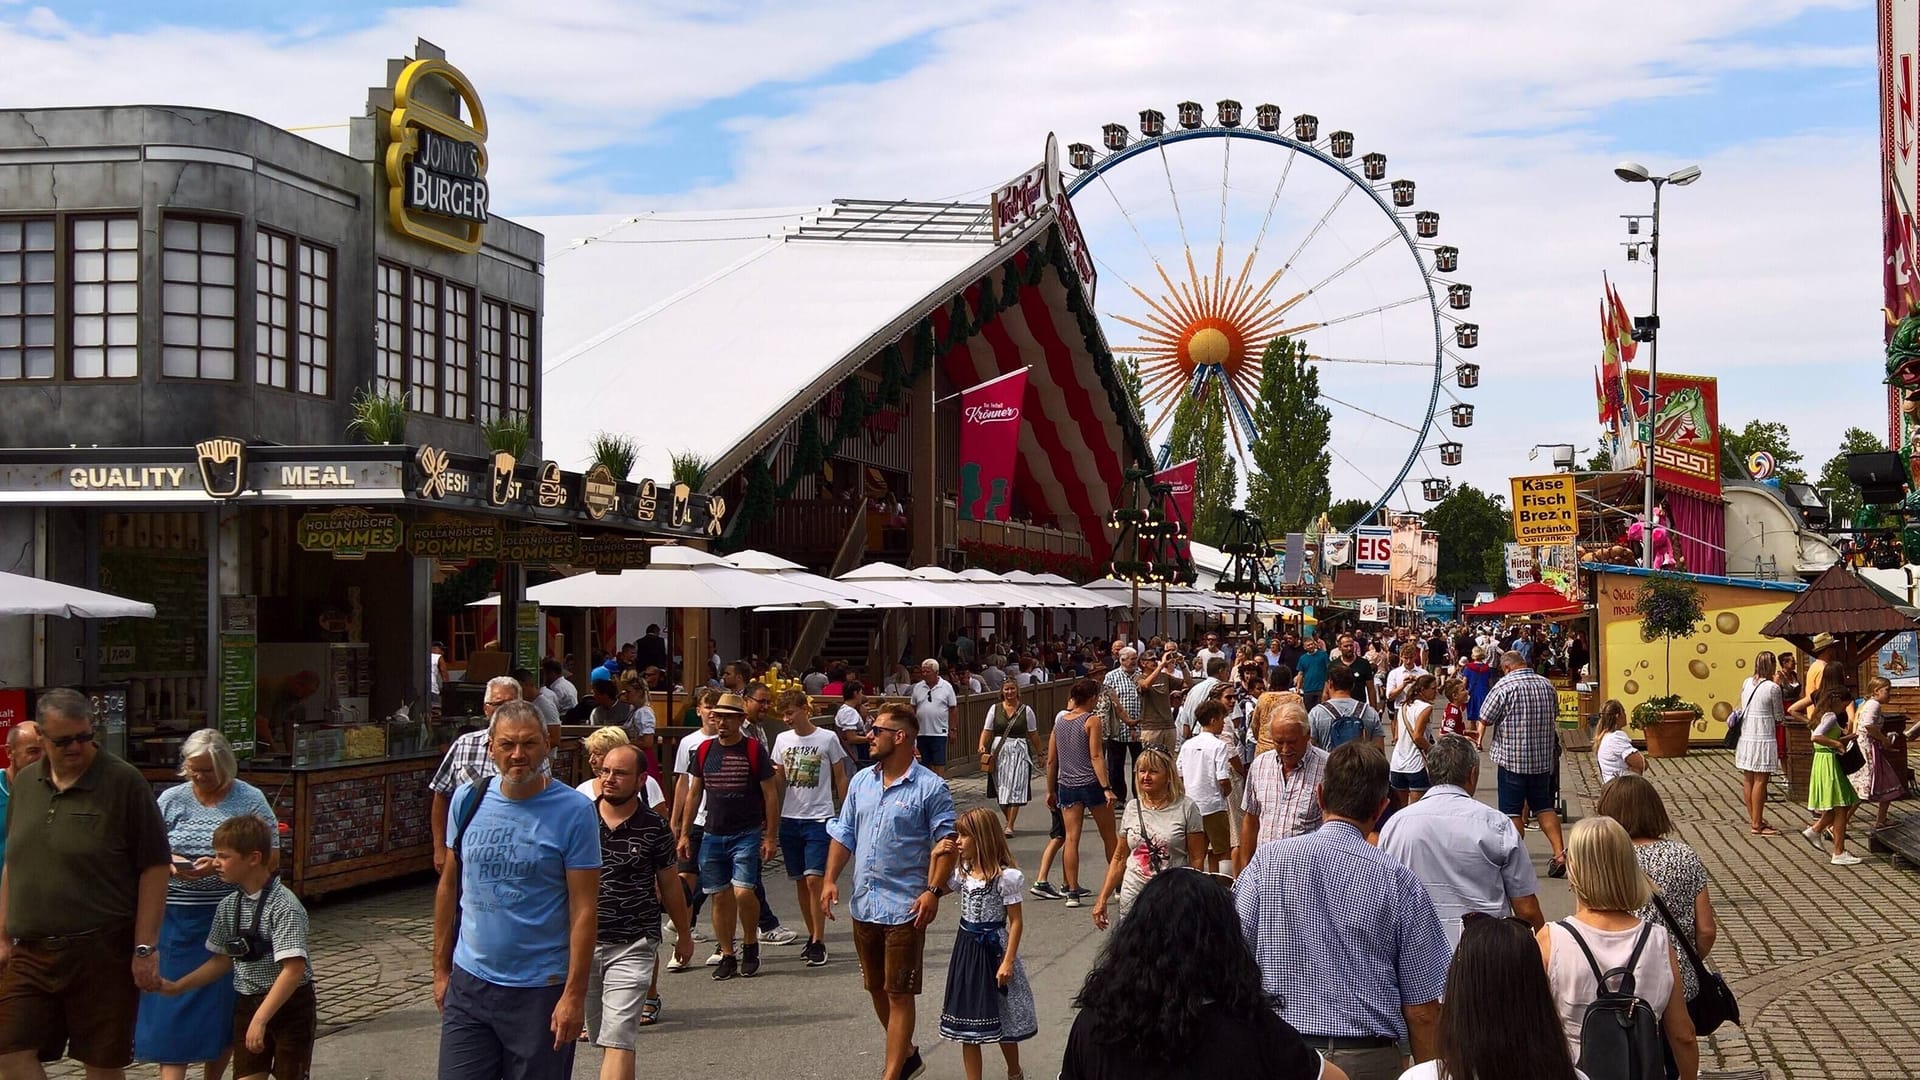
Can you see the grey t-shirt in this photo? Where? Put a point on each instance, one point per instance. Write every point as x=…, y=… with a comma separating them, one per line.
x=1155, y=840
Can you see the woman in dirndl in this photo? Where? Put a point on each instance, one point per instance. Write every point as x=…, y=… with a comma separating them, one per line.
x=1005, y=752
x=196, y=1026
x=1829, y=793
x=1877, y=781
x=988, y=997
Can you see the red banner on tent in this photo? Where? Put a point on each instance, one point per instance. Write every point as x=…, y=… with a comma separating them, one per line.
x=1179, y=506
x=989, y=441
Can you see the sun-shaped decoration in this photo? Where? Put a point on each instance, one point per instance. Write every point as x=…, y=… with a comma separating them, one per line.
x=1208, y=329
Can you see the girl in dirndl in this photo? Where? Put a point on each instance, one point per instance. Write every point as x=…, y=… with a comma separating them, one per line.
x=1876, y=782
x=1828, y=792
x=988, y=998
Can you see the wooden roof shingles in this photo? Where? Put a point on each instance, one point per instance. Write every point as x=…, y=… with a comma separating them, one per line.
x=1841, y=604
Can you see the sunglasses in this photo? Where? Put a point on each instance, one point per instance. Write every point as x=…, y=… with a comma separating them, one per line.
x=894, y=731
x=64, y=741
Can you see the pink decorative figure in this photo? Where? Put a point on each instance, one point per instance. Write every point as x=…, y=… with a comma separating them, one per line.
x=1662, y=545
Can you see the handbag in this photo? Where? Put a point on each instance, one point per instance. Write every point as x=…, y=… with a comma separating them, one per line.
x=1738, y=719
x=1714, y=1005
x=1852, y=759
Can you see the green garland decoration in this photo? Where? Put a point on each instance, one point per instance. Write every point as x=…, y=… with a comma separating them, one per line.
x=854, y=411
x=756, y=505
x=893, y=376
x=1010, y=287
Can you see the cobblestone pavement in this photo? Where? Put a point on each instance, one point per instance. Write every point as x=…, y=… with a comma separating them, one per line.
x=1825, y=960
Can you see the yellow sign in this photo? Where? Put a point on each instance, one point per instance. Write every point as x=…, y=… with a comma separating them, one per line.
x=437, y=163
x=1545, y=509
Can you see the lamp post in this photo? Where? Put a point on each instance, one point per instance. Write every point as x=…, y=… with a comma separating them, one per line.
x=1648, y=329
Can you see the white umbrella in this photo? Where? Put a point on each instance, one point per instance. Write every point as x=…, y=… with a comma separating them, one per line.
x=1065, y=593
x=1179, y=597
x=967, y=593
x=680, y=577
x=1027, y=592
x=23, y=595
x=792, y=573
x=914, y=591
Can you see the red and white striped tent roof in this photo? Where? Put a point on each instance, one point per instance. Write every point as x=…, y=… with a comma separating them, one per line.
x=711, y=332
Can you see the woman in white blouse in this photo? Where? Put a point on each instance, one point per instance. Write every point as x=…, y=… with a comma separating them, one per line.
x=1615, y=753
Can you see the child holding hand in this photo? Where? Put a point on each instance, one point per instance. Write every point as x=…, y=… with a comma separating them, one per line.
x=988, y=997
x=260, y=935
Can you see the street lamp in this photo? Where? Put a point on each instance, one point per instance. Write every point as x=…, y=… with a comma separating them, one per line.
x=1633, y=172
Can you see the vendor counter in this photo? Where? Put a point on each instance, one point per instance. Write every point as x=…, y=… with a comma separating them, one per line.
x=356, y=822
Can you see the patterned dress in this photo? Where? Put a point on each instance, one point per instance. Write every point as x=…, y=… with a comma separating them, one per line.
x=1012, y=757
x=976, y=1011
x=1677, y=871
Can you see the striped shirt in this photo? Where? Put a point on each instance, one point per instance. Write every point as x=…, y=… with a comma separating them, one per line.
x=1344, y=935
x=1073, y=754
x=1521, y=709
x=467, y=760
x=1288, y=804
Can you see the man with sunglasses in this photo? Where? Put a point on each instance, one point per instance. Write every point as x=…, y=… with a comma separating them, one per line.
x=81, y=899
x=893, y=817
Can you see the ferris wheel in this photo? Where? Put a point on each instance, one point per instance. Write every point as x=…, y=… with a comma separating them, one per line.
x=1226, y=236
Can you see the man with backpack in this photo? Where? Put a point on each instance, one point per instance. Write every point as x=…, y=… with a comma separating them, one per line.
x=1342, y=718
x=735, y=776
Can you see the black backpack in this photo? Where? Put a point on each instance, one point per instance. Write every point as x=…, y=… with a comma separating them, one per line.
x=1620, y=1033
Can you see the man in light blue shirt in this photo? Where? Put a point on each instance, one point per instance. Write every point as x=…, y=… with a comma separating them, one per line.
x=889, y=827
x=515, y=916
x=1467, y=854
x=23, y=749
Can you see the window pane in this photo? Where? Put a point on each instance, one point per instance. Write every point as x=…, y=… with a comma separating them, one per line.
x=180, y=266
x=89, y=265
x=123, y=233
x=89, y=234
x=216, y=333
x=216, y=301
x=89, y=299
x=89, y=332
x=39, y=299
x=40, y=363
x=10, y=330
x=216, y=238
x=181, y=330
x=180, y=233
x=9, y=364
x=10, y=301
x=39, y=332
x=39, y=266
x=123, y=299
x=123, y=363
x=216, y=269
x=123, y=330
x=40, y=234
x=123, y=265
x=89, y=363
x=179, y=299
x=11, y=234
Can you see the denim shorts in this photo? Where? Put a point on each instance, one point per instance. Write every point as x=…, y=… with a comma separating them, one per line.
x=1409, y=781
x=733, y=859
x=803, y=847
x=933, y=750
x=1087, y=795
x=1520, y=792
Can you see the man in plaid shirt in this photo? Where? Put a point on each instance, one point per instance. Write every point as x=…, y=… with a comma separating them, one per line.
x=1519, y=713
x=1119, y=712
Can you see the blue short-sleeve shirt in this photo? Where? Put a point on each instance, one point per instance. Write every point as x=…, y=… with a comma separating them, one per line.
x=514, y=859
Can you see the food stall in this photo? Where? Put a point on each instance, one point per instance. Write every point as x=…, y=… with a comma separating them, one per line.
x=293, y=592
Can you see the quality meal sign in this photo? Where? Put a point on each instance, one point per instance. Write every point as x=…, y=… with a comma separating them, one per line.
x=1545, y=509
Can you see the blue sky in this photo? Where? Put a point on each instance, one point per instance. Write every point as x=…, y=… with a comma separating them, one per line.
x=1509, y=113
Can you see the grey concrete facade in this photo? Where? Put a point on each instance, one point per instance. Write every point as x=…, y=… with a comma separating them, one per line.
x=164, y=161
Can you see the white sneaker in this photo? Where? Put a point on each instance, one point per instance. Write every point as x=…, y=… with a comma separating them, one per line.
x=1072, y=901
x=714, y=960
x=779, y=935
x=1845, y=860
x=701, y=935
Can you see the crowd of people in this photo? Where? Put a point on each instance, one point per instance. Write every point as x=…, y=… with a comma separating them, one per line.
x=1289, y=836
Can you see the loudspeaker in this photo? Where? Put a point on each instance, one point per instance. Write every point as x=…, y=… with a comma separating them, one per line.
x=1880, y=475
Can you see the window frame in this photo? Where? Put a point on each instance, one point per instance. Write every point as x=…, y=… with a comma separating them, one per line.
x=263, y=312
x=201, y=220
x=464, y=363
x=384, y=383
x=490, y=391
x=327, y=338
x=513, y=391
x=63, y=282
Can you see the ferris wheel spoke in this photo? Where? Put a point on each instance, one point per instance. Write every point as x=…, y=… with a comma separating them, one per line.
x=1314, y=358
x=1354, y=262
x=1336, y=320
x=1226, y=176
x=1324, y=396
x=1260, y=237
x=1317, y=226
x=1175, y=196
x=1128, y=218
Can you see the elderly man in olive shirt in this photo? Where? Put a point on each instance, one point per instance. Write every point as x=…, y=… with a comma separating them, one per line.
x=81, y=899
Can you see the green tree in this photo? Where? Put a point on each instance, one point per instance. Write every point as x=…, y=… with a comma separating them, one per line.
x=1287, y=484
x=1345, y=514
x=1600, y=460
x=1474, y=528
x=1767, y=435
x=1128, y=370
x=1199, y=430
x=1843, y=493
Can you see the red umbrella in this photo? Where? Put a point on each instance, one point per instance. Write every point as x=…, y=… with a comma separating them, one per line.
x=1531, y=599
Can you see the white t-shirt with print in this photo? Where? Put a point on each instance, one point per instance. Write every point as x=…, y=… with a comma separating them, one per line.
x=806, y=764
x=683, y=766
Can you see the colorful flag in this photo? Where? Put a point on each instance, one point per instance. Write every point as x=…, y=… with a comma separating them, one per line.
x=1180, y=480
x=989, y=442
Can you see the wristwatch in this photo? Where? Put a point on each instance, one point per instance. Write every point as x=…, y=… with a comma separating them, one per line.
x=936, y=890
x=143, y=951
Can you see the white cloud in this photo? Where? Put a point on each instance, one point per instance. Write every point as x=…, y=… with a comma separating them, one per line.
x=1771, y=276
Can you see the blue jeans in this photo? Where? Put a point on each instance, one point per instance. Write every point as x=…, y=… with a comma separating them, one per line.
x=803, y=846
x=490, y=1031
x=732, y=859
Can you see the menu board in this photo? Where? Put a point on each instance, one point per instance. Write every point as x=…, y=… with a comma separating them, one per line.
x=155, y=565
x=238, y=671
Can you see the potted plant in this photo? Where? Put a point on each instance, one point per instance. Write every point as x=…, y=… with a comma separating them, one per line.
x=1669, y=607
x=379, y=417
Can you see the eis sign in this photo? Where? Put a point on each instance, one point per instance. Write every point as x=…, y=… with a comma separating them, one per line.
x=1372, y=549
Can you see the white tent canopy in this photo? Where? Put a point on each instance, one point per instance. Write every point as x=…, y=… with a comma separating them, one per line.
x=919, y=590
x=792, y=573
x=23, y=595
x=680, y=577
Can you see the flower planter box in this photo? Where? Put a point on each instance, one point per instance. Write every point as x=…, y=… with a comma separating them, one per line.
x=1670, y=735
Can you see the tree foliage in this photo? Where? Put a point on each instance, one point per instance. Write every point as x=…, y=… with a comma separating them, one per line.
x=1601, y=460
x=1199, y=430
x=1287, y=487
x=1474, y=528
x=1768, y=435
x=1345, y=514
x=1843, y=493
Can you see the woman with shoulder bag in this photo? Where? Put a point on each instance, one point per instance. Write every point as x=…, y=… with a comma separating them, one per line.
x=1008, y=758
x=1757, y=754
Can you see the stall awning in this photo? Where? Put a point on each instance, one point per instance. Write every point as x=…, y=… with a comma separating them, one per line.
x=22, y=595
